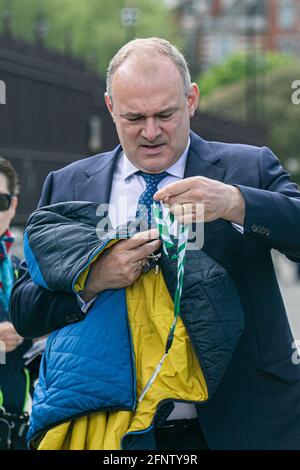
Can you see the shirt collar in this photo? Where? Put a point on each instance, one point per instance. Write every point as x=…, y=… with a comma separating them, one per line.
x=177, y=169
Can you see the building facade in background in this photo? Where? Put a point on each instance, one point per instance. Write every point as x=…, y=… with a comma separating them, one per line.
x=214, y=29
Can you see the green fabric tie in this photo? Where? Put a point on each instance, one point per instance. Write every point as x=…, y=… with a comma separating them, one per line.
x=165, y=226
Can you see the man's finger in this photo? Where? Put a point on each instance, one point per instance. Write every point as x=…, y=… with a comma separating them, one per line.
x=145, y=250
x=173, y=189
x=181, y=199
x=139, y=264
x=185, y=208
x=185, y=219
x=141, y=238
x=188, y=213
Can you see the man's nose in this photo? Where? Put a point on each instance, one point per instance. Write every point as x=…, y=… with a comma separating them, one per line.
x=151, y=130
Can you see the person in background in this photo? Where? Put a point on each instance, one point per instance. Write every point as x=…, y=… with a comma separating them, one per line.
x=14, y=378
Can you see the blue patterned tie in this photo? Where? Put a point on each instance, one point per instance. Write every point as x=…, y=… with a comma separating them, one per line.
x=146, y=198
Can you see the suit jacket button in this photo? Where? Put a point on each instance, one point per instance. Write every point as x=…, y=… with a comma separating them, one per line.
x=72, y=317
x=254, y=228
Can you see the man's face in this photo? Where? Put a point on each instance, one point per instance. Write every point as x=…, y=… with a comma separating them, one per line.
x=151, y=112
x=6, y=216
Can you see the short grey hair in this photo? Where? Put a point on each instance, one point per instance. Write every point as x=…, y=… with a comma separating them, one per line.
x=149, y=47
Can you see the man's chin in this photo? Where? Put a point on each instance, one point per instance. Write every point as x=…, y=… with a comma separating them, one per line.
x=153, y=166
x=153, y=163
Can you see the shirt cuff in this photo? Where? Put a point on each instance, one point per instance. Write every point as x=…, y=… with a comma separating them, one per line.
x=84, y=306
x=238, y=227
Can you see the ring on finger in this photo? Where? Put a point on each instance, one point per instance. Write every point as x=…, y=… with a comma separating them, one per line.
x=140, y=264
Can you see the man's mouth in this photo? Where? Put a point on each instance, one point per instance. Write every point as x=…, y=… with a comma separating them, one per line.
x=152, y=149
x=153, y=145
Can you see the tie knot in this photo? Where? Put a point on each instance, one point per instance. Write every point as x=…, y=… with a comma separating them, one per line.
x=153, y=179
x=146, y=198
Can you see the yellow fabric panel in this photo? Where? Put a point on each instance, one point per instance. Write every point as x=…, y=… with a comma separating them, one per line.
x=79, y=434
x=97, y=431
x=151, y=313
x=79, y=286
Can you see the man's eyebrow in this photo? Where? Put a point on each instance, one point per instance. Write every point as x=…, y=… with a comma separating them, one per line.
x=130, y=115
x=169, y=110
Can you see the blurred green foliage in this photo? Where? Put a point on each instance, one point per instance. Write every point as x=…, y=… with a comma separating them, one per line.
x=93, y=25
x=237, y=67
x=275, y=109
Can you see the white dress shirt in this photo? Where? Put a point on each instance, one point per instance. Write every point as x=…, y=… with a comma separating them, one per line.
x=127, y=187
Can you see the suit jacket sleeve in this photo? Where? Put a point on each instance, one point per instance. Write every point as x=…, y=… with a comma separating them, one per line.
x=273, y=210
x=35, y=311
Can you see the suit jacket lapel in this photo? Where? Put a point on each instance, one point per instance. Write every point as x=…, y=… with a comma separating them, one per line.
x=96, y=186
x=97, y=182
x=202, y=160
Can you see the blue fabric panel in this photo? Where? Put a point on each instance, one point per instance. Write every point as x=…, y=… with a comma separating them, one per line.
x=32, y=264
x=90, y=366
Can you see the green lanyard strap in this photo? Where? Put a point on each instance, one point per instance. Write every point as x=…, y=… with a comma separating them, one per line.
x=165, y=225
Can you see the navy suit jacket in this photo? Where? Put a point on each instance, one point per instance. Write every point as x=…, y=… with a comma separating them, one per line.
x=257, y=405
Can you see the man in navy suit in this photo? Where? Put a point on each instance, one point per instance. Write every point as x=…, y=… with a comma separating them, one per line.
x=251, y=206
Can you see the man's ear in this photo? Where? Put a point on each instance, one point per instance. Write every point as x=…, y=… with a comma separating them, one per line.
x=108, y=103
x=193, y=99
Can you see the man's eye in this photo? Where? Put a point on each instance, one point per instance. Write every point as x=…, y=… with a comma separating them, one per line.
x=134, y=119
x=165, y=116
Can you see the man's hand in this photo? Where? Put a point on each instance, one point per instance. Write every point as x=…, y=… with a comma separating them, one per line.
x=220, y=200
x=120, y=265
x=10, y=337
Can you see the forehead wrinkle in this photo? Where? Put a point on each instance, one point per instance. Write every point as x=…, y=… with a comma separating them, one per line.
x=147, y=102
